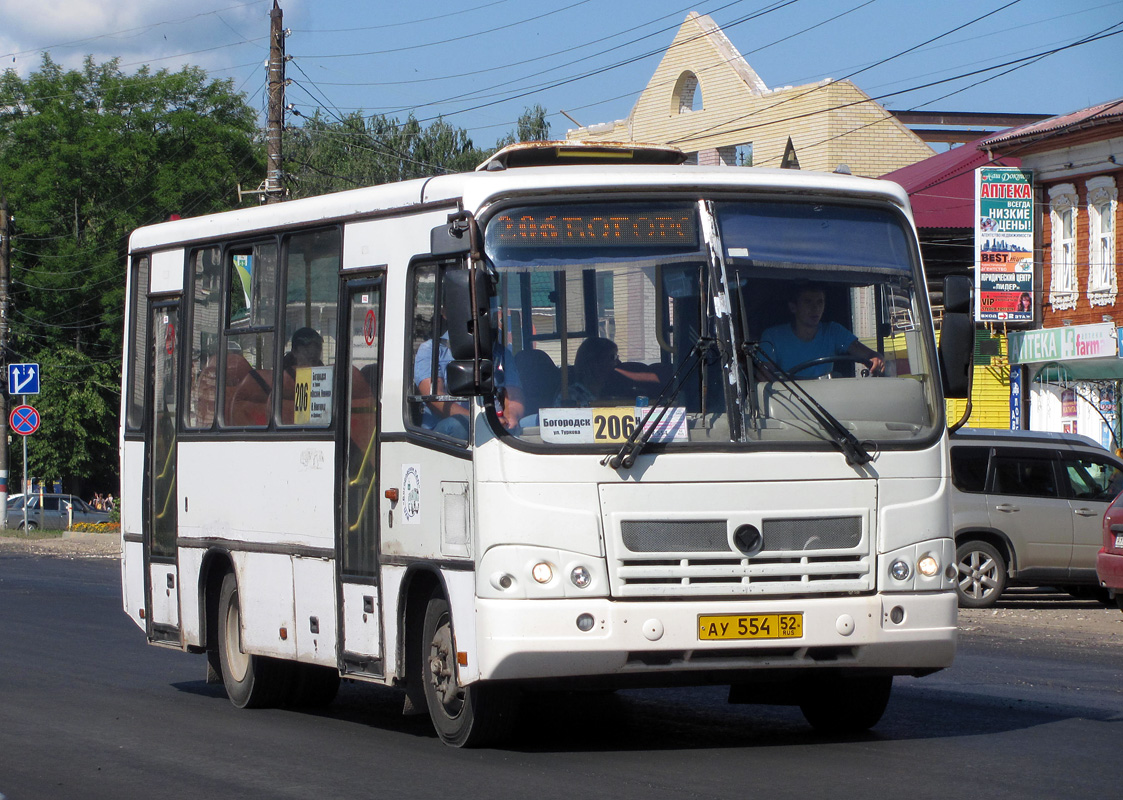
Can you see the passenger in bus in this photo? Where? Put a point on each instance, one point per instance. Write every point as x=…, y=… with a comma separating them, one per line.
x=307, y=350
x=593, y=367
x=451, y=417
x=807, y=337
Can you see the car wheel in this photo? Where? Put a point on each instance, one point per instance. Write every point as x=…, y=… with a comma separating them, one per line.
x=846, y=706
x=464, y=716
x=251, y=681
x=31, y=525
x=982, y=574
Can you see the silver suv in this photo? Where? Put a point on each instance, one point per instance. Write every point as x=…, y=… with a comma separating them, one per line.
x=1028, y=509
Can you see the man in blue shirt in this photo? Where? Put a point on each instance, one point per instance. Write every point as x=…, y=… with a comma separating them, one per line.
x=450, y=417
x=807, y=337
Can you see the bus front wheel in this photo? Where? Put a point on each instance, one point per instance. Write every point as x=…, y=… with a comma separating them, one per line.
x=464, y=716
x=846, y=705
x=251, y=681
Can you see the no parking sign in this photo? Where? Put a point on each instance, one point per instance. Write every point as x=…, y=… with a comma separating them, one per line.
x=24, y=420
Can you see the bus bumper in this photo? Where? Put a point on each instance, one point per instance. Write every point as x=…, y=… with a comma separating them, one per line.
x=649, y=642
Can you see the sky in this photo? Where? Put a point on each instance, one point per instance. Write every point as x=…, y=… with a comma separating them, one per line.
x=480, y=63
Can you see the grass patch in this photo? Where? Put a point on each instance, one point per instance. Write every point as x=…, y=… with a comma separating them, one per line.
x=33, y=534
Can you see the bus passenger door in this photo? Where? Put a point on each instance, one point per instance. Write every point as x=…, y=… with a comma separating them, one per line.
x=161, y=519
x=360, y=600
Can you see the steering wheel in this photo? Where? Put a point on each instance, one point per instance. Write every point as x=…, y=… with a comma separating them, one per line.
x=814, y=362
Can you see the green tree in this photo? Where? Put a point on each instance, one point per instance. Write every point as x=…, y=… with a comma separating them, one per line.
x=325, y=155
x=532, y=126
x=87, y=155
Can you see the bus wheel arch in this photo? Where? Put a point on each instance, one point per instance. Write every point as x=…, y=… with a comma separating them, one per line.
x=251, y=681
x=473, y=715
x=215, y=566
x=418, y=586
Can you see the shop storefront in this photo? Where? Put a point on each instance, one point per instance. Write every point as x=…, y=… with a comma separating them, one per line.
x=1069, y=380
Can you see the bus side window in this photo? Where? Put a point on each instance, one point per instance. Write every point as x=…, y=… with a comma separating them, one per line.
x=206, y=302
x=247, y=364
x=424, y=308
x=310, y=311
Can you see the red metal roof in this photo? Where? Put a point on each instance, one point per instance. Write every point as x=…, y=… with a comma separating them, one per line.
x=942, y=188
x=1101, y=114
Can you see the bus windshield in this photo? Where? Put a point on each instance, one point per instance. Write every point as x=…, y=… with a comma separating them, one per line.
x=739, y=321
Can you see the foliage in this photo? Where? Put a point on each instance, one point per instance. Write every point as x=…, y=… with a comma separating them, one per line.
x=531, y=127
x=86, y=156
x=327, y=156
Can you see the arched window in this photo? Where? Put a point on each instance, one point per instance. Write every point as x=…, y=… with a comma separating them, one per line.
x=687, y=96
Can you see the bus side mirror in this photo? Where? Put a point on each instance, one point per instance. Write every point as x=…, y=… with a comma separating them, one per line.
x=451, y=239
x=461, y=378
x=957, y=337
x=469, y=322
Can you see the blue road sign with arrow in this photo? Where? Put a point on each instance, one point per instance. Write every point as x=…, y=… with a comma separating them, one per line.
x=23, y=379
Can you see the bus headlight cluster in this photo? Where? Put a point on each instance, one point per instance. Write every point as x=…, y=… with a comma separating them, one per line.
x=542, y=572
x=581, y=577
x=927, y=565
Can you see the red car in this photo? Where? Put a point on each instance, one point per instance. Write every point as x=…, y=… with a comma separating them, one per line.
x=1109, y=561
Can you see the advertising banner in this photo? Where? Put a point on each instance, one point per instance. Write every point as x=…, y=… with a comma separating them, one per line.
x=1003, y=244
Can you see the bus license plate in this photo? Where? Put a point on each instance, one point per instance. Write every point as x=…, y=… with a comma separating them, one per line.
x=1119, y=541
x=750, y=626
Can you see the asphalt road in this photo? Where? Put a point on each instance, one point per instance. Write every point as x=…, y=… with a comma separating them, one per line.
x=89, y=710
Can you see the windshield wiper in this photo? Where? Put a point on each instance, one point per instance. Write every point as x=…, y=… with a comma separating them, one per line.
x=855, y=452
x=640, y=435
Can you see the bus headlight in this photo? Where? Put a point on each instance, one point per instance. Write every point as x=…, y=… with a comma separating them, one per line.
x=899, y=570
x=928, y=565
x=542, y=572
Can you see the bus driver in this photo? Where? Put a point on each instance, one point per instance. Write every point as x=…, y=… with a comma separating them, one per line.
x=807, y=337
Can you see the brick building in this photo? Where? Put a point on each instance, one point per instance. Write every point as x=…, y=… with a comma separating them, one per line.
x=705, y=99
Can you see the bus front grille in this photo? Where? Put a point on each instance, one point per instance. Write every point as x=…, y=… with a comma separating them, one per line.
x=696, y=558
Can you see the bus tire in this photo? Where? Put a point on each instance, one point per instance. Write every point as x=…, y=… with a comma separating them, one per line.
x=464, y=716
x=251, y=681
x=845, y=705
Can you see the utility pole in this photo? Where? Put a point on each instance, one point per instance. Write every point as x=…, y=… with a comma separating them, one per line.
x=273, y=190
x=270, y=189
x=5, y=268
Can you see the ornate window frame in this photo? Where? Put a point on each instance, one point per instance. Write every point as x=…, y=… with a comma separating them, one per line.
x=1063, y=207
x=1103, y=200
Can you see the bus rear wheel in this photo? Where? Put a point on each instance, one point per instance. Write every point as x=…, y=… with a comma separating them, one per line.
x=464, y=716
x=846, y=706
x=251, y=681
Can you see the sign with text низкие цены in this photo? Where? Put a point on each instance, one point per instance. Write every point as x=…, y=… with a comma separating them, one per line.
x=1003, y=244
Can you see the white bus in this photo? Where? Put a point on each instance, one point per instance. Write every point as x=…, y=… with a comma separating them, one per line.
x=600, y=476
